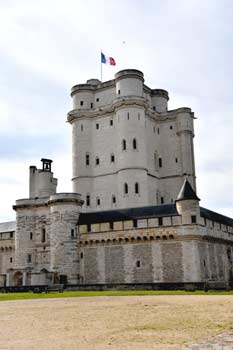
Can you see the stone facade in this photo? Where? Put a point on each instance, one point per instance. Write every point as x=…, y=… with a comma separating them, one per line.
x=128, y=221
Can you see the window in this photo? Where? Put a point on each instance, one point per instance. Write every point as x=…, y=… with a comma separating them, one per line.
x=97, y=201
x=81, y=255
x=97, y=100
x=91, y=104
x=176, y=160
x=126, y=188
x=97, y=161
x=160, y=162
x=154, y=129
x=160, y=221
x=124, y=145
x=113, y=199
x=154, y=108
x=82, y=127
x=134, y=144
x=112, y=158
x=162, y=200
x=193, y=219
x=11, y=234
x=111, y=122
x=128, y=115
x=11, y=260
x=156, y=160
x=136, y=188
x=119, y=92
x=171, y=127
x=31, y=235
x=158, y=131
x=43, y=235
x=81, y=103
x=88, y=227
x=72, y=233
x=97, y=126
x=87, y=159
x=138, y=263
x=135, y=223
x=138, y=116
x=111, y=225
x=88, y=200
x=29, y=258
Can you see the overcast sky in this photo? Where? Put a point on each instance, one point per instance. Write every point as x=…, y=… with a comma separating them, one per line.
x=46, y=47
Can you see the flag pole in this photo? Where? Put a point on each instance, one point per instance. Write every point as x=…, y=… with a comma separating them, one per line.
x=101, y=65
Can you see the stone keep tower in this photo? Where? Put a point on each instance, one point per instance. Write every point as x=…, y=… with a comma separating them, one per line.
x=128, y=149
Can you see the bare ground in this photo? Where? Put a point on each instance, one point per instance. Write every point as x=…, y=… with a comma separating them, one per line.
x=114, y=323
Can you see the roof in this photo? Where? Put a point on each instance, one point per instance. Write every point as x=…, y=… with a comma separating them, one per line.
x=211, y=215
x=7, y=226
x=187, y=192
x=128, y=214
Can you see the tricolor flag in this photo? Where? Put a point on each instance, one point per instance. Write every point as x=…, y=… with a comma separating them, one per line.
x=107, y=60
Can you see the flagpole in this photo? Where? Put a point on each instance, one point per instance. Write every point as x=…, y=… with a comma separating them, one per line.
x=101, y=65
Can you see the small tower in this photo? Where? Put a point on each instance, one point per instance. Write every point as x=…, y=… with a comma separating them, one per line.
x=42, y=182
x=187, y=204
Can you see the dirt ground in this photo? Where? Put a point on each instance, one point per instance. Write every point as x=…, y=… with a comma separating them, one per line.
x=113, y=323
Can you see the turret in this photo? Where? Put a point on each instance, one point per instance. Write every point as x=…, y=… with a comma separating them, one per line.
x=159, y=99
x=42, y=183
x=187, y=205
x=129, y=82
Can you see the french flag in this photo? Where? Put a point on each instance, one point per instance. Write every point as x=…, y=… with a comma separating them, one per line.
x=107, y=60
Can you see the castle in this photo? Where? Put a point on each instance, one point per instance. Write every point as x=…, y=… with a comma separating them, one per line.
x=133, y=218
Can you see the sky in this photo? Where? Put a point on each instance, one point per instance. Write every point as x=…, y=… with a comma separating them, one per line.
x=46, y=47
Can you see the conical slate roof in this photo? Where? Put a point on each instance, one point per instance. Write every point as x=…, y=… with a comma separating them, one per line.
x=187, y=192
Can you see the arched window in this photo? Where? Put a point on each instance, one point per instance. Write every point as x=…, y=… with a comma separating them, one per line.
x=126, y=189
x=113, y=199
x=124, y=144
x=134, y=144
x=136, y=188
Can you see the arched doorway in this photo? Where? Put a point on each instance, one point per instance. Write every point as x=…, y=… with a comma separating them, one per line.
x=18, y=279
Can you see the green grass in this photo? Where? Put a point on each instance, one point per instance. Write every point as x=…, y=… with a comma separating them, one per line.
x=20, y=296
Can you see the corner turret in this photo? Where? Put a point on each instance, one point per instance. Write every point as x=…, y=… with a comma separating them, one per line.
x=42, y=183
x=187, y=204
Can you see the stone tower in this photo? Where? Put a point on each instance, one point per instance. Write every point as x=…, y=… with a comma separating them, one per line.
x=129, y=150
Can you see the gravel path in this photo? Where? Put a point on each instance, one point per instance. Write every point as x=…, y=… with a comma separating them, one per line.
x=116, y=323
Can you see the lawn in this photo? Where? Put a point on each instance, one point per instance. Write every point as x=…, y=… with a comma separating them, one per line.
x=73, y=294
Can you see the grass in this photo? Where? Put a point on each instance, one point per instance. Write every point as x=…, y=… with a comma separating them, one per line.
x=73, y=294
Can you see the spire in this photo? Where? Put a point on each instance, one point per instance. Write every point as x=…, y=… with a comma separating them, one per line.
x=186, y=192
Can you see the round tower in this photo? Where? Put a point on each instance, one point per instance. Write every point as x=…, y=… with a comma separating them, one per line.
x=159, y=100
x=64, y=212
x=129, y=82
x=185, y=131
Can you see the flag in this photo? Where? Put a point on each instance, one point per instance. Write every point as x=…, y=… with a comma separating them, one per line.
x=107, y=60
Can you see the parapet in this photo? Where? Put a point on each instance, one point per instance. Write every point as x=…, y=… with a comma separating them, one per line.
x=129, y=73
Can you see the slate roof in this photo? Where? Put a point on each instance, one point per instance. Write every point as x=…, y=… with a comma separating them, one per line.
x=128, y=214
x=186, y=192
x=211, y=215
x=7, y=226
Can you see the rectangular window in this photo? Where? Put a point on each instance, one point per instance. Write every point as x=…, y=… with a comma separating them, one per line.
x=43, y=235
x=81, y=255
x=11, y=260
x=111, y=225
x=111, y=122
x=119, y=92
x=193, y=219
x=112, y=158
x=72, y=233
x=88, y=200
x=97, y=161
x=29, y=258
x=11, y=234
x=138, y=263
x=160, y=162
x=97, y=100
x=87, y=159
x=135, y=223
x=81, y=103
x=97, y=126
x=91, y=105
x=162, y=200
x=160, y=221
x=88, y=227
x=31, y=235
